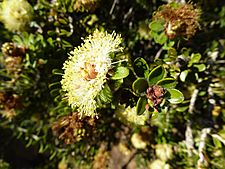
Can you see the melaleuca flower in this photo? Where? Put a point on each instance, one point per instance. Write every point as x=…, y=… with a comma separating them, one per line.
x=86, y=70
x=15, y=14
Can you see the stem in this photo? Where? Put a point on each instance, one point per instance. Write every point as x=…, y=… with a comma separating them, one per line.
x=189, y=133
x=202, y=159
x=119, y=61
x=113, y=6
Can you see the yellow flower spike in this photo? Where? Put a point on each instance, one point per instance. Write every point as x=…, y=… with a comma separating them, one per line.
x=15, y=14
x=86, y=69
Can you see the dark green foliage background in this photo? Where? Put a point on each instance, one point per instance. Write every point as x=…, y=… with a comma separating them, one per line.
x=27, y=140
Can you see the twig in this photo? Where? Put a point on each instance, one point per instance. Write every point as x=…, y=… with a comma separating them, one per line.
x=158, y=53
x=192, y=101
x=113, y=6
x=189, y=141
x=202, y=160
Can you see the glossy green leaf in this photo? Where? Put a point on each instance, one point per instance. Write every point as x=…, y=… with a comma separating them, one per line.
x=217, y=142
x=174, y=96
x=161, y=38
x=155, y=75
x=120, y=73
x=140, y=85
x=182, y=109
x=156, y=26
x=167, y=83
x=57, y=72
x=141, y=67
x=142, y=101
x=195, y=58
x=116, y=84
x=104, y=97
x=183, y=75
x=200, y=67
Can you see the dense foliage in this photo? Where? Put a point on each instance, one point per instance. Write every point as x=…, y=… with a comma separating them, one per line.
x=112, y=84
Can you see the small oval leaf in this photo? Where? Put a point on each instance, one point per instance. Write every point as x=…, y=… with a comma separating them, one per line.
x=105, y=96
x=156, y=74
x=140, y=85
x=141, y=104
x=183, y=75
x=195, y=58
x=141, y=67
x=156, y=26
x=167, y=83
x=200, y=67
x=174, y=96
x=120, y=73
x=161, y=38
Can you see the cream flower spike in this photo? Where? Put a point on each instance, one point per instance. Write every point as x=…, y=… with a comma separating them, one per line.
x=86, y=69
x=15, y=14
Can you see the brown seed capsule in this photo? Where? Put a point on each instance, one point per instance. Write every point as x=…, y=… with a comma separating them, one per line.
x=155, y=94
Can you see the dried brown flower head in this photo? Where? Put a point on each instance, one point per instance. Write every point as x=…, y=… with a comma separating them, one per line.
x=9, y=102
x=180, y=19
x=13, y=65
x=13, y=55
x=73, y=128
x=85, y=5
x=11, y=49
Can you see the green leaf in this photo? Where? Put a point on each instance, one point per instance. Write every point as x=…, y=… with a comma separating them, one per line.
x=66, y=44
x=174, y=96
x=172, y=52
x=54, y=92
x=217, y=142
x=57, y=72
x=183, y=75
x=200, y=67
x=182, y=109
x=142, y=101
x=161, y=38
x=195, y=58
x=156, y=26
x=222, y=133
x=155, y=75
x=63, y=21
x=140, y=85
x=116, y=84
x=120, y=73
x=167, y=83
x=105, y=96
x=141, y=67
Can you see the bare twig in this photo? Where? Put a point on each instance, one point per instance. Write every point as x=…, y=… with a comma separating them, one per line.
x=192, y=101
x=113, y=6
x=202, y=160
x=189, y=141
x=159, y=53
